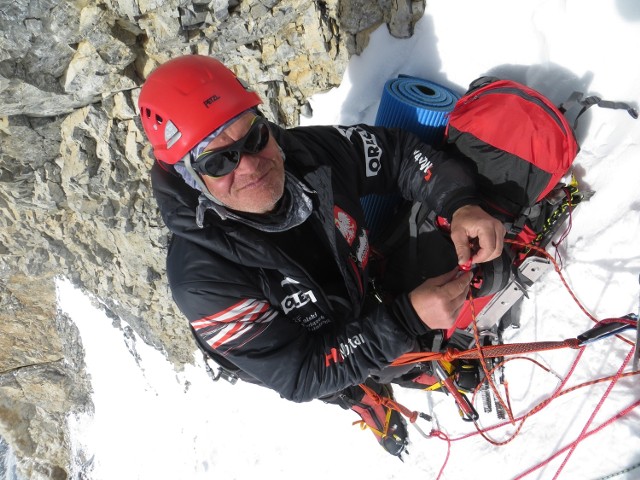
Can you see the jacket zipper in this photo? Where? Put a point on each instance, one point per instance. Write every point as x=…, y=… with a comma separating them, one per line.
x=356, y=271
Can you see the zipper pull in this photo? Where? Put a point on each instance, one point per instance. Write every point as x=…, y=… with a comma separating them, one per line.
x=376, y=292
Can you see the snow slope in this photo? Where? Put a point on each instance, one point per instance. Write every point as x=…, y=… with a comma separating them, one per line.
x=153, y=423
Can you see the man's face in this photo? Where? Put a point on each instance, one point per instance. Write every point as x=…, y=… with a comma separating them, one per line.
x=257, y=183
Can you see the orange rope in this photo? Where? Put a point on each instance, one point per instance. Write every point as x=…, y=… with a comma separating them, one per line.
x=562, y=279
x=488, y=377
x=557, y=269
x=489, y=351
x=390, y=404
x=560, y=392
x=493, y=351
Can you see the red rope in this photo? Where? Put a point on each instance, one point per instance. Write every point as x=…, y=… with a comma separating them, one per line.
x=582, y=435
x=557, y=269
x=558, y=393
x=442, y=436
x=564, y=282
x=493, y=351
x=534, y=410
x=614, y=418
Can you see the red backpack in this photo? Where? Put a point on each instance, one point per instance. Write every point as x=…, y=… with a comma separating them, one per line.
x=521, y=145
x=519, y=141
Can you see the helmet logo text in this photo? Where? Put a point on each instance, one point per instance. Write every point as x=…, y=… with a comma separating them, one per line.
x=210, y=100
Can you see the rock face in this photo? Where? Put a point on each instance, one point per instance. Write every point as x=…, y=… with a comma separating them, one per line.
x=75, y=199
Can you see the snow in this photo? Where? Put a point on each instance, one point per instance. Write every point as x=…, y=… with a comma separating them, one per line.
x=153, y=422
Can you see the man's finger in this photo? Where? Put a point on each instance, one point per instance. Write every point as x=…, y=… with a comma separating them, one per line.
x=458, y=286
x=461, y=244
x=458, y=302
x=492, y=247
x=443, y=279
x=488, y=246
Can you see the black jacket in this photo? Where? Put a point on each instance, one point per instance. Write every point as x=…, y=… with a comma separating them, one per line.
x=253, y=304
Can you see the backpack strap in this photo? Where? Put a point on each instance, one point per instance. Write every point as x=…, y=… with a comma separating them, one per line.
x=588, y=102
x=226, y=370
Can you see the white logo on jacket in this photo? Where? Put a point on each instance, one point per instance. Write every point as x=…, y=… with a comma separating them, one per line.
x=297, y=299
x=337, y=355
x=354, y=342
x=345, y=224
x=362, y=253
x=424, y=164
x=372, y=151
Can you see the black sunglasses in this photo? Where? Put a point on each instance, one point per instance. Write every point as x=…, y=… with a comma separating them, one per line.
x=222, y=161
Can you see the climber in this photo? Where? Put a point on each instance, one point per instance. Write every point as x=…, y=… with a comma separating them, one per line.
x=269, y=258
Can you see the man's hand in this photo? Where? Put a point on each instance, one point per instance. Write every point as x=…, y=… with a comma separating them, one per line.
x=438, y=300
x=472, y=224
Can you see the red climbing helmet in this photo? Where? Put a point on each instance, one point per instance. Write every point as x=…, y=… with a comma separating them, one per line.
x=187, y=98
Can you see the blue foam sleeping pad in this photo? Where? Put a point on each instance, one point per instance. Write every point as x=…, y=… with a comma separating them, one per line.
x=419, y=106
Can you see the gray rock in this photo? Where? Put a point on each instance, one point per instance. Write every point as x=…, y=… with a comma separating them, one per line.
x=75, y=198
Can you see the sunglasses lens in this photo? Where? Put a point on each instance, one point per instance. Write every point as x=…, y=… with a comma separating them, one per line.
x=217, y=163
x=256, y=139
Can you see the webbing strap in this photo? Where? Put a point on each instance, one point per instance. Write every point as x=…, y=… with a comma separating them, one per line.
x=588, y=102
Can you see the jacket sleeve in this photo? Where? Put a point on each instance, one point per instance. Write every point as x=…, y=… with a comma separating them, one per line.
x=380, y=160
x=230, y=315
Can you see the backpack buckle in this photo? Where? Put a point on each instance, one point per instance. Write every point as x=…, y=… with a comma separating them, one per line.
x=225, y=374
x=221, y=372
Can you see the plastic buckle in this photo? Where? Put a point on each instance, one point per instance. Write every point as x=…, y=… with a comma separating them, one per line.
x=225, y=374
x=221, y=372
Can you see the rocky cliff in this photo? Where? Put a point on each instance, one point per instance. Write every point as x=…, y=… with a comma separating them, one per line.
x=75, y=198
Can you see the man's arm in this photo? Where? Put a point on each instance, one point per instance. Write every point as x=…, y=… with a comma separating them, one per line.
x=446, y=184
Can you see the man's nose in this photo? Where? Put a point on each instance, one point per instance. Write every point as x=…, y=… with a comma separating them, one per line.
x=249, y=162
